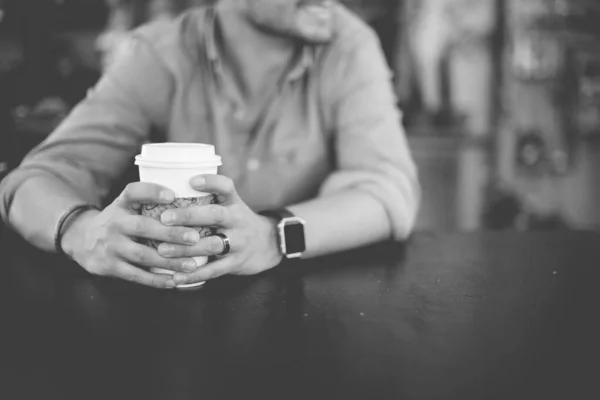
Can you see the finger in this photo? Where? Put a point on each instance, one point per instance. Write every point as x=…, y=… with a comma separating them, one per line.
x=206, y=246
x=208, y=215
x=221, y=186
x=210, y=271
x=145, y=256
x=138, y=193
x=149, y=228
x=130, y=273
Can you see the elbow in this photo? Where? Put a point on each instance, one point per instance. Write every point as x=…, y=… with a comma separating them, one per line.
x=401, y=232
x=402, y=206
x=404, y=221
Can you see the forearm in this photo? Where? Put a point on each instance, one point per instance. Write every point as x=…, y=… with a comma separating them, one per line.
x=37, y=206
x=342, y=221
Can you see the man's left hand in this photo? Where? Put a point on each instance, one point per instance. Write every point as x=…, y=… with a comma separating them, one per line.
x=252, y=237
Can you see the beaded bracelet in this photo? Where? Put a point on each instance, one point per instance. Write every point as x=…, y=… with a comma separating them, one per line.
x=58, y=233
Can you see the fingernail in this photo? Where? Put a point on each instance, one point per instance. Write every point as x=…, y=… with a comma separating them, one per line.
x=189, y=265
x=165, y=249
x=198, y=182
x=191, y=237
x=166, y=195
x=180, y=279
x=170, y=284
x=168, y=217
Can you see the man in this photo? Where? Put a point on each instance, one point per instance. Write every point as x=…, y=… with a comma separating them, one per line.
x=296, y=97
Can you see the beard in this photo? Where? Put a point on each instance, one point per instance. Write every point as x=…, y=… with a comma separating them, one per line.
x=307, y=23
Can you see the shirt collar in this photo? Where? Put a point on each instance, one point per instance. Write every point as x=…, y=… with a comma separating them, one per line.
x=302, y=64
x=210, y=41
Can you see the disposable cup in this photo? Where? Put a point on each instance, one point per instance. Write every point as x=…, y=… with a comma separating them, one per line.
x=173, y=165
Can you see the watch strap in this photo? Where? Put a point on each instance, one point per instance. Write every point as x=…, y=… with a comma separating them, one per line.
x=278, y=214
x=291, y=247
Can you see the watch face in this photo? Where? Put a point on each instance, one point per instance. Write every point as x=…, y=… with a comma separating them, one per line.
x=294, y=238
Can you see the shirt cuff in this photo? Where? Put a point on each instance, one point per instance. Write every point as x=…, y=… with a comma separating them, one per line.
x=400, y=197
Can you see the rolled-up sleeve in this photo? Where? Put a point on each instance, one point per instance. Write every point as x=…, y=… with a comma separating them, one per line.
x=93, y=146
x=371, y=149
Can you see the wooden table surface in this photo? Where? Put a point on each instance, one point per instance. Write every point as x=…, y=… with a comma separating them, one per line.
x=461, y=316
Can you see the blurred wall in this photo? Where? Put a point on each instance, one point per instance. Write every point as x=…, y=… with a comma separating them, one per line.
x=542, y=155
x=449, y=42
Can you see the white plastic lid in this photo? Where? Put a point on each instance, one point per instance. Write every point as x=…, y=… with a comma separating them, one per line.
x=178, y=154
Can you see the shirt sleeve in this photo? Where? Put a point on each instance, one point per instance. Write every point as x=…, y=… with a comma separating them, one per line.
x=95, y=144
x=371, y=149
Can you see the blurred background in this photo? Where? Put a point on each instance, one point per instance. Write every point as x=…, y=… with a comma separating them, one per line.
x=501, y=98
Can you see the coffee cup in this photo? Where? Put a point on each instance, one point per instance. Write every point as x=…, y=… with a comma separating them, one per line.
x=173, y=165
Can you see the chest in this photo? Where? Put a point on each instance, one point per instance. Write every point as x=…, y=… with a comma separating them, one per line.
x=281, y=137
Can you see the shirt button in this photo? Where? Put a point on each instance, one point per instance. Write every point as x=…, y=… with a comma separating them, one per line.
x=239, y=113
x=253, y=164
x=289, y=158
x=238, y=110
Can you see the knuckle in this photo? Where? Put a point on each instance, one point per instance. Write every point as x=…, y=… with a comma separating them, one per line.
x=215, y=245
x=217, y=213
x=184, y=251
x=243, y=241
x=104, y=269
x=139, y=225
x=228, y=185
x=179, y=251
x=113, y=225
x=99, y=242
x=155, y=282
x=184, y=214
x=140, y=257
x=216, y=274
x=174, y=235
x=211, y=275
x=95, y=268
x=98, y=256
x=108, y=268
x=175, y=265
x=128, y=191
x=236, y=214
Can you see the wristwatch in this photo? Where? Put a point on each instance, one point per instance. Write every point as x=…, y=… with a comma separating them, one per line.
x=290, y=232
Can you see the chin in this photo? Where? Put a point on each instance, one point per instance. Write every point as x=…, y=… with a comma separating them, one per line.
x=314, y=36
x=316, y=39
x=312, y=33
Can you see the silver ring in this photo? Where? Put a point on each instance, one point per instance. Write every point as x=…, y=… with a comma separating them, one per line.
x=226, y=244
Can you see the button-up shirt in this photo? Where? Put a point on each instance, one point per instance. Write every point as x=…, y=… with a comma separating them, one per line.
x=332, y=125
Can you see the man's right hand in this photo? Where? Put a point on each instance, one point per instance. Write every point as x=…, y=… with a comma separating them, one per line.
x=104, y=244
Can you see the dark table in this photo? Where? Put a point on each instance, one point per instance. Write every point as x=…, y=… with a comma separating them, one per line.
x=461, y=316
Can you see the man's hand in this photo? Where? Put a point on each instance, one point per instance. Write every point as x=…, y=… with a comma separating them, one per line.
x=253, y=238
x=104, y=244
